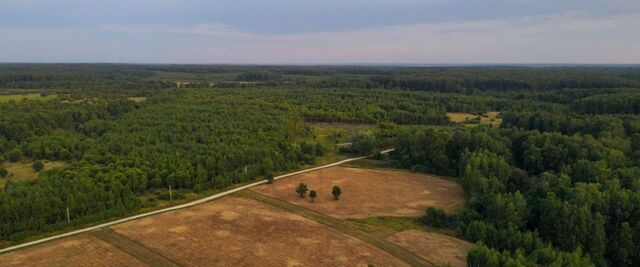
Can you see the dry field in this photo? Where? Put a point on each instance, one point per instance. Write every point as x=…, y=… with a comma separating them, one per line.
x=460, y=117
x=436, y=248
x=490, y=118
x=369, y=192
x=82, y=250
x=242, y=232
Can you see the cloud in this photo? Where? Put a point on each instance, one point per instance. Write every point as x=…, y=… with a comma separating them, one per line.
x=565, y=38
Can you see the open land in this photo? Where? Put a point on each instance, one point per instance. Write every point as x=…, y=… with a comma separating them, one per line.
x=234, y=231
x=369, y=192
x=270, y=225
x=81, y=250
x=437, y=248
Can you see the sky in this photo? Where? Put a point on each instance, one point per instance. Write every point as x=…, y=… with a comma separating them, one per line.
x=321, y=31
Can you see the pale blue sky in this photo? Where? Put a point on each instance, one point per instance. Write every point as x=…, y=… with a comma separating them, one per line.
x=326, y=32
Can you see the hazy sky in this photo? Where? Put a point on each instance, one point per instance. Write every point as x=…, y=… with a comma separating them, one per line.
x=320, y=31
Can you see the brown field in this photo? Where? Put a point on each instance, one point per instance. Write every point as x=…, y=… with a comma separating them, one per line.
x=436, y=248
x=369, y=192
x=242, y=232
x=82, y=250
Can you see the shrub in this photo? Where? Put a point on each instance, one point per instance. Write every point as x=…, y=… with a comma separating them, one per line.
x=302, y=189
x=313, y=194
x=38, y=166
x=437, y=218
x=15, y=155
x=336, y=192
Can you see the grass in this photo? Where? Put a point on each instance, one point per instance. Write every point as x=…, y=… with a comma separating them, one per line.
x=397, y=224
x=30, y=96
x=369, y=164
x=137, y=99
x=23, y=171
x=491, y=118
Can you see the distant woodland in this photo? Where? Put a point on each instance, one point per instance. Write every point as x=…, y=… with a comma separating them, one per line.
x=556, y=183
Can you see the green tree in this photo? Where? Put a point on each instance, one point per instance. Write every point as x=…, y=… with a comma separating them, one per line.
x=313, y=194
x=37, y=165
x=15, y=155
x=269, y=177
x=336, y=192
x=437, y=218
x=302, y=189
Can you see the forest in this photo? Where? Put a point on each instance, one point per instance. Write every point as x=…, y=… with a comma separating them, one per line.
x=556, y=183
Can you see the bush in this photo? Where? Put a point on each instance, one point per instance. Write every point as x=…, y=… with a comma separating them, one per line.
x=269, y=178
x=336, y=192
x=15, y=155
x=302, y=189
x=38, y=166
x=3, y=172
x=437, y=218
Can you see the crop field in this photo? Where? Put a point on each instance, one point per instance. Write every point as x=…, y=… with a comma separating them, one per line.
x=437, y=248
x=369, y=192
x=82, y=250
x=237, y=231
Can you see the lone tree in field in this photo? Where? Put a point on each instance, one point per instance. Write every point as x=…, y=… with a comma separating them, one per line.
x=302, y=189
x=313, y=194
x=38, y=166
x=269, y=178
x=336, y=192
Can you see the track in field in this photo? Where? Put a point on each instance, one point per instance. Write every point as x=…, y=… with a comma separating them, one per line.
x=341, y=226
x=134, y=249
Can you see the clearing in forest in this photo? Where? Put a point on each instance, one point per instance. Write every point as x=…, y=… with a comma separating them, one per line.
x=369, y=192
x=31, y=96
x=437, y=248
x=81, y=250
x=23, y=171
x=137, y=99
x=490, y=118
x=237, y=231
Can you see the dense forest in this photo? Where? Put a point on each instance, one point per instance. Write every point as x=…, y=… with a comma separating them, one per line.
x=556, y=183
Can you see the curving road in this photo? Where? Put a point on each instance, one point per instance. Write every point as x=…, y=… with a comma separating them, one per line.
x=181, y=206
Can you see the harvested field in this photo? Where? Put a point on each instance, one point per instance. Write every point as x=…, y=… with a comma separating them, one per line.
x=436, y=248
x=369, y=192
x=82, y=250
x=243, y=232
